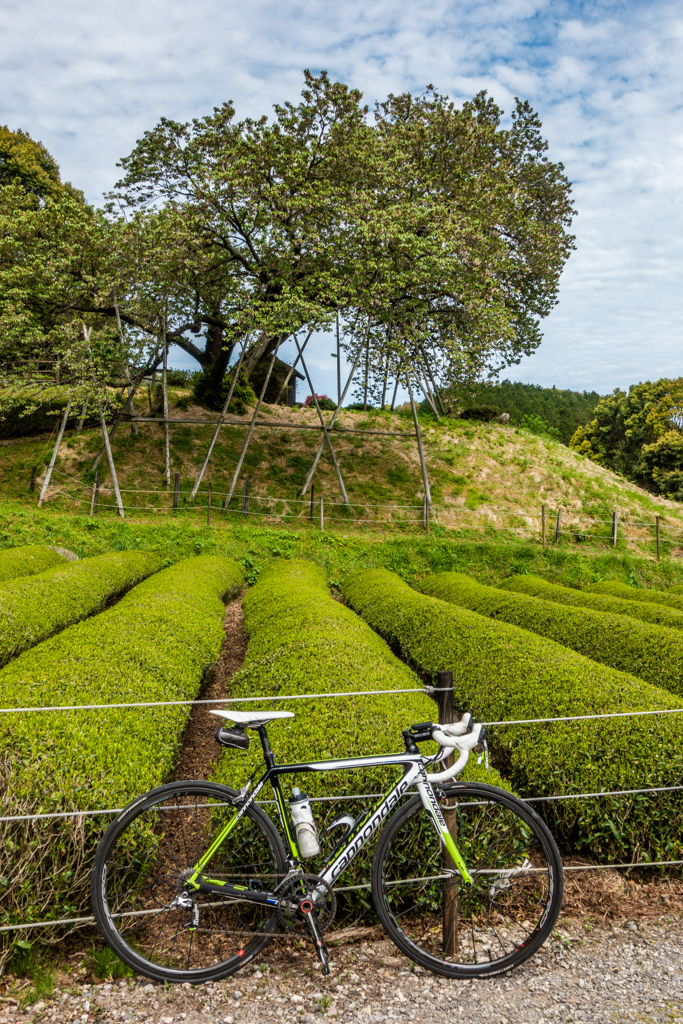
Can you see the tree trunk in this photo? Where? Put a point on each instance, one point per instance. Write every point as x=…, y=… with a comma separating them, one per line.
x=209, y=388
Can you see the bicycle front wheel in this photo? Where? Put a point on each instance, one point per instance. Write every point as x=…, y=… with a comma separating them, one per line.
x=141, y=868
x=459, y=930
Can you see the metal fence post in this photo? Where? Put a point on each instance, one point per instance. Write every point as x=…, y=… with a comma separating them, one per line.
x=95, y=489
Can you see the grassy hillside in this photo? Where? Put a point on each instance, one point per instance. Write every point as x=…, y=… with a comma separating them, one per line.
x=485, y=478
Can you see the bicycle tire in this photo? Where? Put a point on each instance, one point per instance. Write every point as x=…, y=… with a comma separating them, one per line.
x=472, y=931
x=139, y=869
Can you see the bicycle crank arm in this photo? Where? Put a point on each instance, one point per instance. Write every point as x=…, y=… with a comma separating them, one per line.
x=235, y=892
x=310, y=917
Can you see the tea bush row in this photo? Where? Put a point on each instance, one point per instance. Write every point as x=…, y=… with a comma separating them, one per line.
x=36, y=607
x=534, y=586
x=653, y=653
x=616, y=589
x=27, y=560
x=503, y=673
x=156, y=644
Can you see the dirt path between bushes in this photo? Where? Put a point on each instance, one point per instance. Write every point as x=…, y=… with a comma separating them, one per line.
x=200, y=750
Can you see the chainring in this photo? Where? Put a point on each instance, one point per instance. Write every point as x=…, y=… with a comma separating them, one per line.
x=304, y=885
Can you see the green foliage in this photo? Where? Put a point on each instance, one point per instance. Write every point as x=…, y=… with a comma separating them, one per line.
x=660, y=597
x=156, y=644
x=561, y=409
x=36, y=411
x=481, y=413
x=500, y=673
x=29, y=961
x=539, y=426
x=600, y=597
x=27, y=560
x=638, y=434
x=27, y=162
x=204, y=394
x=36, y=607
x=105, y=964
x=652, y=652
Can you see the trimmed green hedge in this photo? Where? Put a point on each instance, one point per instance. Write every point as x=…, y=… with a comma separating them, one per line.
x=36, y=607
x=534, y=586
x=303, y=641
x=501, y=673
x=156, y=644
x=616, y=589
x=27, y=560
x=651, y=652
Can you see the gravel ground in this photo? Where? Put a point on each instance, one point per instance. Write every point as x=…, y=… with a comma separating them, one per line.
x=633, y=972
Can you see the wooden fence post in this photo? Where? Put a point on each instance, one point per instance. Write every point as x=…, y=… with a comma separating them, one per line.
x=657, y=528
x=558, y=527
x=245, y=497
x=33, y=478
x=450, y=886
x=176, y=490
x=322, y=514
x=425, y=514
x=310, y=515
x=615, y=527
x=543, y=524
x=95, y=491
x=208, y=507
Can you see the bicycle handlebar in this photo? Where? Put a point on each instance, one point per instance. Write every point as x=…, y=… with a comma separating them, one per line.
x=456, y=737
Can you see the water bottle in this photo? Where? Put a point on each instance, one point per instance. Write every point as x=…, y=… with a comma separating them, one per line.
x=304, y=824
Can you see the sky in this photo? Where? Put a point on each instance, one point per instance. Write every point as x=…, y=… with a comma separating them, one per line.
x=87, y=79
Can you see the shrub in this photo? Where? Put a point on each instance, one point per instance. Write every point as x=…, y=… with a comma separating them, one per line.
x=156, y=644
x=36, y=607
x=537, y=425
x=483, y=413
x=651, y=652
x=502, y=673
x=656, y=614
x=324, y=401
x=27, y=561
x=615, y=589
x=303, y=641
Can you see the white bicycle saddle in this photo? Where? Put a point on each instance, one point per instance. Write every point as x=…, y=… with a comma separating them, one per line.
x=244, y=717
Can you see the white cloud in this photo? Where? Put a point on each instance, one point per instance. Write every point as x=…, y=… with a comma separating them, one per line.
x=88, y=79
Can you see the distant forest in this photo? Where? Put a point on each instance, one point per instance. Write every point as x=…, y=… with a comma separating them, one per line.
x=565, y=410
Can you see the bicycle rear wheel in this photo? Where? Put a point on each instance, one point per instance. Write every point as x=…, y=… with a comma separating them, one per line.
x=476, y=930
x=140, y=869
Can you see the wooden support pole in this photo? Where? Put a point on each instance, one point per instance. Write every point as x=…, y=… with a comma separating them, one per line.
x=398, y=377
x=338, y=362
x=55, y=451
x=208, y=507
x=657, y=529
x=322, y=514
x=81, y=418
x=615, y=527
x=450, y=887
x=95, y=492
x=425, y=514
x=285, y=383
x=423, y=464
x=245, y=497
x=559, y=525
x=247, y=439
x=164, y=392
x=33, y=478
x=228, y=400
x=176, y=490
x=543, y=525
x=112, y=467
x=310, y=514
x=326, y=436
x=321, y=448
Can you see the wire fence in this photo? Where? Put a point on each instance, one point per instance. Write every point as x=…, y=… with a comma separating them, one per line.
x=549, y=798
x=543, y=524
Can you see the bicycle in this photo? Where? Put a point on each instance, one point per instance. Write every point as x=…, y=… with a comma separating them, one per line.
x=193, y=879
